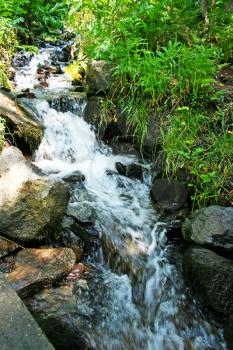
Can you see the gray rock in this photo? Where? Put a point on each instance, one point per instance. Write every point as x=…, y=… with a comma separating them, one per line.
x=99, y=76
x=169, y=195
x=23, y=120
x=35, y=268
x=36, y=211
x=75, y=176
x=212, y=225
x=18, y=329
x=125, y=149
x=211, y=277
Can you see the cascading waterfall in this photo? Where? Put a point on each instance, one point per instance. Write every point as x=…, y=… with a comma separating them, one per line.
x=147, y=304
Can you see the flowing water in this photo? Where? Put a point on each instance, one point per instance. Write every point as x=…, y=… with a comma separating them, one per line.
x=143, y=302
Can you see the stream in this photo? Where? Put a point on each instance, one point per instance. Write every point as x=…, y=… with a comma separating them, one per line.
x=137, y=297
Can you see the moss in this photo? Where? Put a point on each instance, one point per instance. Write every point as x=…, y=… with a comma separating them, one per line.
x=32, y=137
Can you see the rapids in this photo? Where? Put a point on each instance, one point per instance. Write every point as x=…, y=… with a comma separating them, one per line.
x=146, y=303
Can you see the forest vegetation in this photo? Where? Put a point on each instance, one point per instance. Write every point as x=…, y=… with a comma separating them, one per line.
x=166, y=57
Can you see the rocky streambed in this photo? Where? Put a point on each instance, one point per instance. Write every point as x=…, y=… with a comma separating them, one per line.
x=84, y=242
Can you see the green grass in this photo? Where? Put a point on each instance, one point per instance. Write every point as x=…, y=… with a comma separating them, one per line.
x=201, y=146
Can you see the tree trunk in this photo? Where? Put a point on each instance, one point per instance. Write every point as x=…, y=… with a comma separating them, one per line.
x=229, y=6
x=203, y=9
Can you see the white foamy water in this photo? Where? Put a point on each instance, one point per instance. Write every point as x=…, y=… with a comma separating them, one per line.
x=147, y=305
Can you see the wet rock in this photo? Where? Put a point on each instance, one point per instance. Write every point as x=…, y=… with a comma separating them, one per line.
x=212, y=225
x=70, y=240
x=228, y=334
x=19, y=331
x=169, y=195
x=35, y=211
x=99, y=76
x=64, y=314
x=36, y=268
x=60, y=56
x=134, y=171
x=22, y=59
x=75, y=176
x=77, y=314
x=67, y=102
x=20, y=120
x=211, y=277
x=6, y=247
x=125, y=149
x=80, y=205
x=92, y=114
x=158, y=166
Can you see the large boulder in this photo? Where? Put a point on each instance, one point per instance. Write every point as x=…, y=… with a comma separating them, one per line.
x=211, y=277
x=169, y=195
x=20, y=120
x=212, y=225
x=35, y=268
x=18, y=329
x=36, y=211
x=99, y=76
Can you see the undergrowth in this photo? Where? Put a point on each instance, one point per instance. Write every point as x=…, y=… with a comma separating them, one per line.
x=166, y=56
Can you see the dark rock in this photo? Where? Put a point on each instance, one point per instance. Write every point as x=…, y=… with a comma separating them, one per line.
x=60, y=56
x=92, y=114
x=125, y=149
x=133, y=171
x=158, y=166
x=76, y=176
x=68, y=102
x=99, y=76
x=36, y=268
x=70, y=240
x=65, y=313
x=211, y=277
x=153, y=139
x=170, y=195
x=121, y=168
x=36, y=210
x=212, y=225
x=18, y=329
x=228, y=334
x=6, y=247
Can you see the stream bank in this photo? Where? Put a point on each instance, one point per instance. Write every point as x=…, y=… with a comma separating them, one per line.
x=124, y=286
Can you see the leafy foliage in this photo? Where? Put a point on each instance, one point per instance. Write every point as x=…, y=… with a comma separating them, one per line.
x=166, y=57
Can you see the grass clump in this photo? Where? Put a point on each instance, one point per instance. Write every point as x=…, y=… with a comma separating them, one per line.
x=201, y=145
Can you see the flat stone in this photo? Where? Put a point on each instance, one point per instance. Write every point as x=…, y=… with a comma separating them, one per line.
x=18, y=329
x=6, y=247
x=35, y=268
